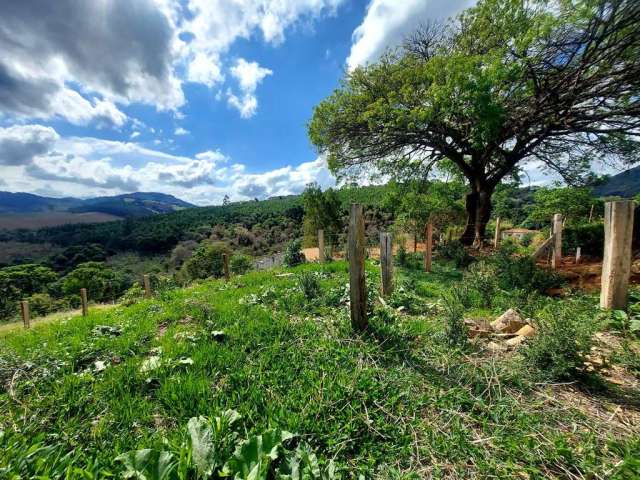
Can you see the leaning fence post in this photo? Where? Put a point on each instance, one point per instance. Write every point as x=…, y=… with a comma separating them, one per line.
x=321, y=258
x=556, y=260
x=24, y=310
x=357, y=285
x=616, y=264
x=428, y=247
x=496, y=237
x=225, y=266
x=83, y=300
x=147, y=286
x=386, y=264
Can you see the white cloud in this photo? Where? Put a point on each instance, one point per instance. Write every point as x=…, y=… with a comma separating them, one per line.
x=181, y=131
x=249, y=75
x=387, y=22
x=134, y=135
x=36, y=157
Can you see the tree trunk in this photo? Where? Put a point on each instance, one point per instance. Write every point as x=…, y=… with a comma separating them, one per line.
x=478, y=206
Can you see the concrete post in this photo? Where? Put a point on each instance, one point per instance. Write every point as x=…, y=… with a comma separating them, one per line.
x=616, y=265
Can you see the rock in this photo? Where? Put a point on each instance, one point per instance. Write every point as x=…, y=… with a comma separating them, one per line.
x=515, y=341
x=526, y=331
x=509, y=322
x=495, y=347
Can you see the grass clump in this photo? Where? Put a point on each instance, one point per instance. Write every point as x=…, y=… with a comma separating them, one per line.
x=293, y=253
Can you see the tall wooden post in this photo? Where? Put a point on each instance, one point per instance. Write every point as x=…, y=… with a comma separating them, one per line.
x=24, y=310
x=357, y=285
x=578, y=255
x=616, y=265
x=83, y=300
x=225, y=266
x=556, y=260
x=428, y=247
x=147, y=286
x=321, y=258
x=496, y=237
x=386, y=264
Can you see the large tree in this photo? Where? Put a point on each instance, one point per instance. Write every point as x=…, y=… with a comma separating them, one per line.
x=506, y=83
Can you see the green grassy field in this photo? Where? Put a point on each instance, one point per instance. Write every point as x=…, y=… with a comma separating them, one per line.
x=399, y=401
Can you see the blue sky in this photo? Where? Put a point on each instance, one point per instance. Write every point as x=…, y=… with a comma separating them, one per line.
x=196, y=98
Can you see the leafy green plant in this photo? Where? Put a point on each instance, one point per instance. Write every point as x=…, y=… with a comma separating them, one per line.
x=481, y=277
x=293, y=254
x=456, y=252
x=514, y=272
x=563, y=339
x=309, y=284
x=241, y=264
x=454, y=306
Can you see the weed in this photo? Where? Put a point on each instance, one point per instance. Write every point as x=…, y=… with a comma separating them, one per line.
x=456, y=252
x=309, y=285
x=293, y=254
x=455, y=330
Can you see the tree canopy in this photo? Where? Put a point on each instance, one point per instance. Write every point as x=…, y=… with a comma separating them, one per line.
x=506, y=83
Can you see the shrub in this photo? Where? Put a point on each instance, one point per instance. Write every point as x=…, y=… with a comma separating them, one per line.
x=293, y=254
x=402, y=259
x=481, y=277
x=309, y=285
x=455, y=251
x=523, y=273
x=205, y=262
x=241, y=264
x=588, y=236
x=100, y=280
x=562, y=341
x=41, y=304
x=133, y=295
x=453, y=303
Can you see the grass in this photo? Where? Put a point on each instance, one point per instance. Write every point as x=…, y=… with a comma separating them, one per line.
x=396, y=402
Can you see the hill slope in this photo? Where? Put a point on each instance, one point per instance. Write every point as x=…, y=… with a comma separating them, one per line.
x=137, y=204
x=625, y=184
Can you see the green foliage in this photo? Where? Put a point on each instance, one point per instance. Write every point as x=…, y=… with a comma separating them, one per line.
x=147, y=464
x=515, y=272
x=293, y=254
x=100, y=280
x=322, y=210
x=588, y=236
x=453, y=302
x=563, y=339
x=240, y=264
x=21, y=281
x=73, y=256
x=402, y=257
x=455, y=252
x=205, y=262
x=574, y=203
x=309, y=285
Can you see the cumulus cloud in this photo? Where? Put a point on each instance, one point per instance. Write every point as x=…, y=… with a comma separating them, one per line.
x=117, y=50
x=20, y=144
x=36, y=157
x=181, y=131
x=249, y=75
x=387, y=22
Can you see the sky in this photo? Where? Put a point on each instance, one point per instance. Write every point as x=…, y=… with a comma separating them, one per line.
x=195, y=98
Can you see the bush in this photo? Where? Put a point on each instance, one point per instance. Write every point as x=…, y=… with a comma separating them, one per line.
x=402, y=259
x=205, y=262
x=309, y=285
x=481, y=277
x=41, y=304
x=523, y=273
x=455, y=251
x=241, y=264
x=563, y=340
x=293, y=254
x=588, y=236
x=453, y=303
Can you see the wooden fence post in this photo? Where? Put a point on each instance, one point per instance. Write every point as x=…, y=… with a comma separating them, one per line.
x=321, y=258
x=24, y=310
x=616, y=265
x=428, y=247
x=147, y=286
x=225, y=266
x=556, y=259
x=83, y=300
x=578, y=255
x=496, y=237
x=357, y=284
x=386, y=263
x=591, y=213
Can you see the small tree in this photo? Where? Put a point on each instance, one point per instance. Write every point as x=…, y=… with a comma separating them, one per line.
x=205, y=262
x=322, y=210
x=573, y=203
x=100, y=280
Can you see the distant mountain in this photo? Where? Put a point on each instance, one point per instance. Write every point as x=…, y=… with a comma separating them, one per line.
x=137, y=204
x=625, y=184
